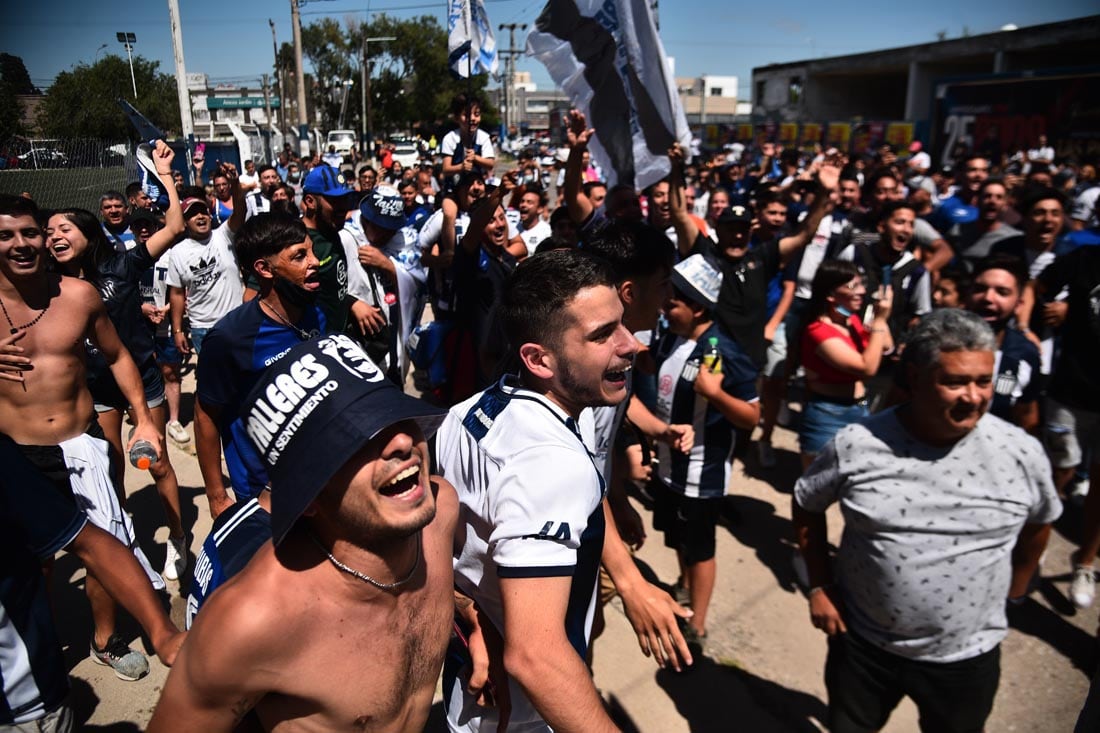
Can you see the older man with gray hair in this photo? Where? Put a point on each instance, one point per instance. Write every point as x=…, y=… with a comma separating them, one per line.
x=946, y=511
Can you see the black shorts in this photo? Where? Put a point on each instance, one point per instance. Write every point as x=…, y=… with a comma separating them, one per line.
x=866, y=683
x=689, y=524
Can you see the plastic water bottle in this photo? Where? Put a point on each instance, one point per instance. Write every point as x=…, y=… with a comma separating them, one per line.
x=143, y=454
x=712, y=359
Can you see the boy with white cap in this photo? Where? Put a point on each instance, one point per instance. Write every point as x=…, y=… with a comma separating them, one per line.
x=715, y=397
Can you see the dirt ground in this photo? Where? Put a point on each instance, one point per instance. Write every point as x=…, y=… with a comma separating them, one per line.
x=764, y=661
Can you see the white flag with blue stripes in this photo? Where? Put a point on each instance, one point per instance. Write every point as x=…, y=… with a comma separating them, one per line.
x=470, y=44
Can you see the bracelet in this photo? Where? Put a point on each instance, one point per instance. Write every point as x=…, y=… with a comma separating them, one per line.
x=877, y=330
x=819, y=589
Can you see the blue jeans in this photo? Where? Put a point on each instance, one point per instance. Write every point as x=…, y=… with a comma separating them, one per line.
x=197, y=335
x=821, y=420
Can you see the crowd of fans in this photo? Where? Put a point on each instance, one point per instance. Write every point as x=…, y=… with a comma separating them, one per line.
x=891, y=302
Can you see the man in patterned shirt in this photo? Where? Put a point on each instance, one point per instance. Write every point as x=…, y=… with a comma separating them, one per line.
x=946, y=512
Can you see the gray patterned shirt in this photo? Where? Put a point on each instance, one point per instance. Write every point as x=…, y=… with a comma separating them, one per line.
x=924, y=563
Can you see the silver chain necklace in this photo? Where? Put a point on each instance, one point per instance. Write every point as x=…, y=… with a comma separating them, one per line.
x=302, y=334
x=364, y=577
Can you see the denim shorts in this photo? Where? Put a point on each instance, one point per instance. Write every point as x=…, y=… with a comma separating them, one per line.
x=821, y=419
x=164, y=348
x=107, y=396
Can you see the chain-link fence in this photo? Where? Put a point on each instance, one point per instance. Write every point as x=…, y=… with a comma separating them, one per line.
x=60, y=173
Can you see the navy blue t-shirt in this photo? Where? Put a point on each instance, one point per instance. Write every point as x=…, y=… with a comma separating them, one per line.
x=35, y=523
x=119, y=286
x=234, y=354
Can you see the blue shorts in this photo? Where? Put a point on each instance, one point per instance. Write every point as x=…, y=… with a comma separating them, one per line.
x=165, y=351
x=197, y=335
x=107, y=396
x=821, y=419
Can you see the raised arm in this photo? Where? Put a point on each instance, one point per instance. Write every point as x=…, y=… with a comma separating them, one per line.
x=827, y=178
x=578, y=134
x=240, y=208
x=686, y=230
x=159, y=243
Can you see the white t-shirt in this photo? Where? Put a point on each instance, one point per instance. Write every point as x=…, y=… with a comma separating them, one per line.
x=256, y=203
x=531, y=237
x=453, y=138
x=208, y=272
x=530, y=505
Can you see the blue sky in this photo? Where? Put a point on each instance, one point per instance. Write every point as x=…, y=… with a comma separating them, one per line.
x=231, y=41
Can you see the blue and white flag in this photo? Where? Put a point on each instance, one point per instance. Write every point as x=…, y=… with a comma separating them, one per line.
x=470, y=43
x=607, y=57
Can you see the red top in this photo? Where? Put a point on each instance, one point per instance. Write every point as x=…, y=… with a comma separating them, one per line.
x=818, y=333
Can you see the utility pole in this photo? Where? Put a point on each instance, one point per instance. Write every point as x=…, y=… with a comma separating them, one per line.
x=278, y=74
x=510, y=54
x=267, y=121
x=303, y=121
x=187, y=124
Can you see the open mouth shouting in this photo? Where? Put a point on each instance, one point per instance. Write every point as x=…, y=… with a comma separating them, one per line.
x=405, y=485
x=616, y=378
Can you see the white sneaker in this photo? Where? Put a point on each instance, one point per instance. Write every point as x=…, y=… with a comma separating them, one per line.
x=765, y=454
x=175, y=558
x=177, y=432
x=1082, y=589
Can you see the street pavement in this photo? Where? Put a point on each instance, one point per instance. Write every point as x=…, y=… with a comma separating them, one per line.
x=764, y=661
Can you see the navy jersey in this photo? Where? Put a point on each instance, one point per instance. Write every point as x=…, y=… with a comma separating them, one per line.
x=234, y=355
x=236, y=535
x=1017, y=371
x=705, y=472
x=36, y=521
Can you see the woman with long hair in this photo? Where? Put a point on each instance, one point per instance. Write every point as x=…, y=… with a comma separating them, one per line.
x=839, y=352
x=80, y=249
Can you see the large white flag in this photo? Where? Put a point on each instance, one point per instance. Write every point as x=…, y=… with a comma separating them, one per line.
x=606, y=55
x=470, y=43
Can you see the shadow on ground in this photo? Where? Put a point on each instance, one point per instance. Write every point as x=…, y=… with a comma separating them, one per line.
x=707, y=697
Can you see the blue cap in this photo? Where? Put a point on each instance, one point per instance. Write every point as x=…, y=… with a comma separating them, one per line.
x=326, y=181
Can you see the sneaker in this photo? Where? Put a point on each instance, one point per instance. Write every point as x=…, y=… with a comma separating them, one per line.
x=128, y=664
x=681, y=594
x=175, y=558
x=697, y=643
x=177, y=432
x=765, y=454
x=1082, y=589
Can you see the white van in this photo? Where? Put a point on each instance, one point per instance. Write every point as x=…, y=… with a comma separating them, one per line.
x=343, y=140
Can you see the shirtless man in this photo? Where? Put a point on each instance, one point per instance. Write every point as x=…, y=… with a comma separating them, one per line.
x=342, y=622
x=45, y=405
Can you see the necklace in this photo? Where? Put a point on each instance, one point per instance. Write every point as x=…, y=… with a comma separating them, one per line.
x=364, y=577
x=302, y=334
x=16, y=329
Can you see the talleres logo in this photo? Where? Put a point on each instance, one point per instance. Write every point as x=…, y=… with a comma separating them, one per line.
x=300, y=388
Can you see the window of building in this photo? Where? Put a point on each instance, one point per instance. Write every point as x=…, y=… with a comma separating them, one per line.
x=794, y=90
x=716, y=91
x=760, y=87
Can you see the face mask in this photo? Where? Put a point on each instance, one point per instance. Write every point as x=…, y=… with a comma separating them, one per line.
x=294, y=177
x=294, y=295
x=843, y=311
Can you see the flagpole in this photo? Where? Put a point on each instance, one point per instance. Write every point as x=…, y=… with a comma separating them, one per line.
x=469, y=73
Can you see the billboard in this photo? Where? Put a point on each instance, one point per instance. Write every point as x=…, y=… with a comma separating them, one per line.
x=1006, y=113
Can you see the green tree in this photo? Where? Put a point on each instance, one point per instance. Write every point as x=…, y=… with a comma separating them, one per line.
x=14, y=80
x=82, y=102
x=14, y=73
x=325, y=45
x=411, y=85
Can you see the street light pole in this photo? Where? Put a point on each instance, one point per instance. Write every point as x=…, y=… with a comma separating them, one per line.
x=128, y=40
x=96, y=61
x=366, y=126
